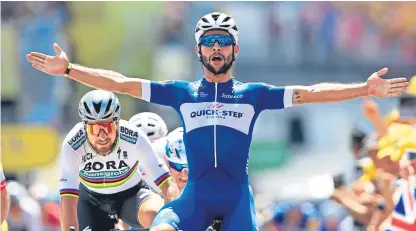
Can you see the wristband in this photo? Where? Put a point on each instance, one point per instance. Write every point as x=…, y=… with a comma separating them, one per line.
x=3, y=185
x=68, y=69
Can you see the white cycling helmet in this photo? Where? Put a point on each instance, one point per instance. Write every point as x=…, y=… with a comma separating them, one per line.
x=99, y=105
x=151, y=124
x=175, y=147
x=216, y=21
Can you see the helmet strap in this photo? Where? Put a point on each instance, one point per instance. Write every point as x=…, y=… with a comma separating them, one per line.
x=224, y=69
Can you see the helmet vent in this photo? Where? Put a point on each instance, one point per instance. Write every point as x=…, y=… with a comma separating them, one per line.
x=86, y=108
x=107, y=116
x=97, y=106
x=90, y=118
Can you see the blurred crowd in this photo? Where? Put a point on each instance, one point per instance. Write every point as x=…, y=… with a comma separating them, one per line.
x=383, y=194
x=291, y=34
x=32, y=208
x=294, y=34
x=363, y=32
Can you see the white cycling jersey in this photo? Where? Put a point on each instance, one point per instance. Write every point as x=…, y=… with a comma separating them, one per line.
x=113, y=173
x=159, y=146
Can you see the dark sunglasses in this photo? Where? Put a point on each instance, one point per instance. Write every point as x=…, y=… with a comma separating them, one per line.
x=177, y=167
x=222, y=39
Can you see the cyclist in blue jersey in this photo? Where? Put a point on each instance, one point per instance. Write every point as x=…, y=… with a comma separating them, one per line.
x=174, y=155
x=218, y=114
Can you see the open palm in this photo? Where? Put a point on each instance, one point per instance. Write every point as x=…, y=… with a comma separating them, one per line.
x=383, y=88
x=53, y=65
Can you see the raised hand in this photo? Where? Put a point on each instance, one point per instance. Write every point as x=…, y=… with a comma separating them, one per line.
x=53, y=65
x=383, y=88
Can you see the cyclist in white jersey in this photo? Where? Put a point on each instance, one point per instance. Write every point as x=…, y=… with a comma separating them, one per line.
x=150, y=124
x=219, y=114
x=155, y=128
x=100, y=177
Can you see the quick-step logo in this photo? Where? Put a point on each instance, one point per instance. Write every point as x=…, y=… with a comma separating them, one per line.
x=236, y=116
x=214, y=111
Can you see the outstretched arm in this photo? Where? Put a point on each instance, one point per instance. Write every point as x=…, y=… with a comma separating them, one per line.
x=272, y=97
x=333, y=92
x=107, y=80
x=328, y=92
x=96, y=78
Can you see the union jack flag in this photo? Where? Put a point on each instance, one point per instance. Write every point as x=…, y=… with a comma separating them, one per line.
x=404, y=213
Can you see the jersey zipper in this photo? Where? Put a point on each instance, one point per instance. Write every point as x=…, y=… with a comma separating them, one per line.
x=215, y=127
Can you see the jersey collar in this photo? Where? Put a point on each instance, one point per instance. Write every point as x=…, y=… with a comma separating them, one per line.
x=228, y=83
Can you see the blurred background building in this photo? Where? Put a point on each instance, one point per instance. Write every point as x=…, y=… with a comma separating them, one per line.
x=282, y=43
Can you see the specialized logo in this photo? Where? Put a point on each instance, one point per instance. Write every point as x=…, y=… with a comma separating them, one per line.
x=128, y=135
x=77, y=140
x=122, y=154
x=231, y=96
x=213, y=111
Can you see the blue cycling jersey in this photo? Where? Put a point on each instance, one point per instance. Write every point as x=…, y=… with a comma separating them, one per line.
x=218, y=121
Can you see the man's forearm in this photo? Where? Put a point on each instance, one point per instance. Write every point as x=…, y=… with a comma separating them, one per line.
x=69, y=213
x=170, y=190
x=106, y=80
x=332, y=92
x=381, y=126
x=357, y=210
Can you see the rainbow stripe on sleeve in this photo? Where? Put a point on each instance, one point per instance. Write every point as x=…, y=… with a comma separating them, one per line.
x=162, y=179
x=69, y=193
